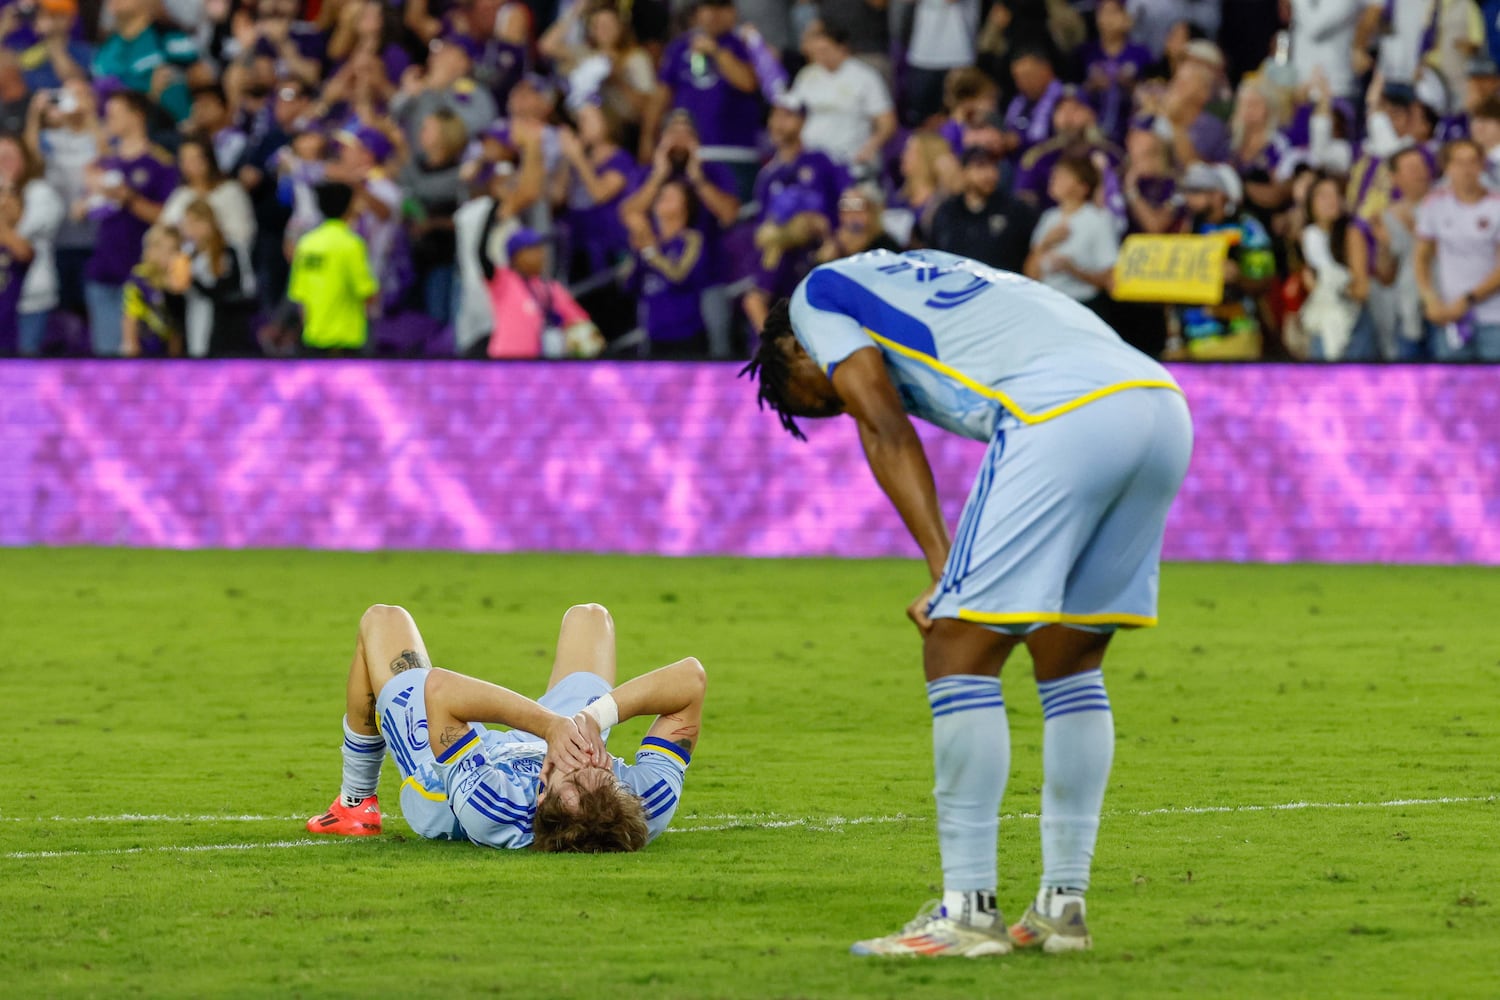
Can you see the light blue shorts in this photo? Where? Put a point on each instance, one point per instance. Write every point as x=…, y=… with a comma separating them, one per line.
x=1064, y=524
x=401, y=709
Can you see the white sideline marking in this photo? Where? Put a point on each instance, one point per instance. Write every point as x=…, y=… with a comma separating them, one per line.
x=726, y=821
x=176, y=849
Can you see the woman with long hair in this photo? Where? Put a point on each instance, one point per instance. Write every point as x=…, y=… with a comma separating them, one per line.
x=929, y=173
x=219, y=302
x=31, y=212
x=608, y=63
x=1335, y=258
x=203, y=180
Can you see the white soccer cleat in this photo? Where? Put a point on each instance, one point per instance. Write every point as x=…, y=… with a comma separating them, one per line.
x=934, y=934
x=1065, y=931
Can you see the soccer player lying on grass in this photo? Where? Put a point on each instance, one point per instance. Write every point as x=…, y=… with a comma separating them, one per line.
x=547, y=782
x=1058, y=545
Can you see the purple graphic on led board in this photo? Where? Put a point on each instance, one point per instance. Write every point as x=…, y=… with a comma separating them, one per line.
x=1292, y=463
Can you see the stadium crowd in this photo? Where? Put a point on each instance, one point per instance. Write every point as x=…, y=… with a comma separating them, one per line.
x=525, y=178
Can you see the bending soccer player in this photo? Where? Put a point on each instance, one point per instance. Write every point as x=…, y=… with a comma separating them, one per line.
x=547, y=782
x=1058, y=545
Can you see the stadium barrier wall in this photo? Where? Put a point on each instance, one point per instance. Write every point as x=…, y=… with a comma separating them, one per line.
x=1292, y=463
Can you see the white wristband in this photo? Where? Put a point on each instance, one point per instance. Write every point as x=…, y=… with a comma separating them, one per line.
x=604, y=711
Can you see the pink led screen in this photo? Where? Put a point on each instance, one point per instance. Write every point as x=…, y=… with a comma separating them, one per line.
x=1326, y=464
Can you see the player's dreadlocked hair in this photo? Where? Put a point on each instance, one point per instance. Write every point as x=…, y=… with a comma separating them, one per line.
x=773, y=367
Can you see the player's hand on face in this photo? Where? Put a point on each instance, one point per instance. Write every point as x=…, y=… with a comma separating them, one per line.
x=567, y=748
x=917, y=610
x=589, y=727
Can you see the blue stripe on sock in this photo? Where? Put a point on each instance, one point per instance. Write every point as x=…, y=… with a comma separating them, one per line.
x=954, y=699
x=368, y=749
x=1072, y=697
x=1071, y=711
x=969, y=706
x=945, y=685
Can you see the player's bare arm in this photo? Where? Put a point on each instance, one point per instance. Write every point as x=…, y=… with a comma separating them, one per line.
x=897, y=460
x=674, y=694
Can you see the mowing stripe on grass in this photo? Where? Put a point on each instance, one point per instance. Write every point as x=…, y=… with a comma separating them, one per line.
x=773, y=820
x=176, y=849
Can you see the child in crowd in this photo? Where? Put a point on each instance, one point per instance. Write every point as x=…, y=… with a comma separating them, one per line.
x=535, y=316
x=153, y=318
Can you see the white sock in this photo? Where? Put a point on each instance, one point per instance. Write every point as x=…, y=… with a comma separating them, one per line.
x=362, y=758
x=971, y=755
x=1078, y=746
x=1051, y=902
x=975, y=907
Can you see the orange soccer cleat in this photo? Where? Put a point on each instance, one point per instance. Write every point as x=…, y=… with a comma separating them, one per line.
x=359, y=820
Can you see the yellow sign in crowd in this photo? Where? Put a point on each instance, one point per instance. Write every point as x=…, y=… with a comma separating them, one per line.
x=1179, y=270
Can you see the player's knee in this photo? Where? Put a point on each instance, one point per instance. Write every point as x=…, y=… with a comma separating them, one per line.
x=589, y=616
x=693, y=667
x=377, y=615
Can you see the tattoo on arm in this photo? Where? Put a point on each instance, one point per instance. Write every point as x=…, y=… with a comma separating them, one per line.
x=683, y=733
x=408, y=660
x=451, y=735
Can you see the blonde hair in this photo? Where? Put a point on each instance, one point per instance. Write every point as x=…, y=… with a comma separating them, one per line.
x=161, y=231
x=217, y=246
x=931, y=150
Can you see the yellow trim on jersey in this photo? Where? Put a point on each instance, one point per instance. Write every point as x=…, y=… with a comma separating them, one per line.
x=1055, y=618
x=434, y=796
x=664, y=751
x=1004, y=400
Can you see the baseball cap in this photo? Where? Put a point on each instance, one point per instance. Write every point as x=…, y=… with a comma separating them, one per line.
x=1203, y=177
x=463, y=43
x=539, y=83
x=1403, y=94
x=523, y=239
x=497, y=131
x=790, y=102
x=371, y=138
x=58, y=6
x=1204, y=51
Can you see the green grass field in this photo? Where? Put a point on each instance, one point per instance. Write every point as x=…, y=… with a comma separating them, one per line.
x=190, y=702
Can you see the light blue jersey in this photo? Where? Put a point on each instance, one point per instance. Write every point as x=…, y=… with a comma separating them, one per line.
x=966, y=345
x=1065, y=520
x=484, y=787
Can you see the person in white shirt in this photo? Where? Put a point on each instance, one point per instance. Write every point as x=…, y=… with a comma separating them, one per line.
x=1076, y=242
x=40, y=211
x=943, y=37
x=849, y=111
x=1389, y=36
x=1323, y=37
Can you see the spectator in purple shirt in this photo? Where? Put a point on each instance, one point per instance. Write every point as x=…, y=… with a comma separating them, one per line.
x=971, y=98
x=370, y=27
x=1112, y=64
x=709, y=73
x=598, y=174
x=1076, y=134
x=678, y=157
x=798, y=192
x=670, y=273
x=1028, y=118
x=1181, y=116
x=129, y=185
